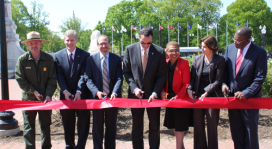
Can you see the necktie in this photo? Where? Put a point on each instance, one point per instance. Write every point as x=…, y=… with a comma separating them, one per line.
x=239, y=60
x=105, y=77
x=71, y=60
x=144, y=60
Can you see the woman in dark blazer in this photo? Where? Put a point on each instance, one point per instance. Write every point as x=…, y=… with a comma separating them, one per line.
x=178, y=79
x=207, y=73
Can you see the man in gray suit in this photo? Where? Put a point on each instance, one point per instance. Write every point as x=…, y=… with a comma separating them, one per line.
x=145, y=72
x=71, y=63
x=246, y=69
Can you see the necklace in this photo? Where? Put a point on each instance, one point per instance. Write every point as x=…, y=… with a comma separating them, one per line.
x=207, y=60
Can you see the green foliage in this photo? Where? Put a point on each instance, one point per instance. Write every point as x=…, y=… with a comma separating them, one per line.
x=82, y=34
x=20, y=17
x=255, y=11
x=54, y=42
x=155, y=12
x=266, y=88
x=35, y=20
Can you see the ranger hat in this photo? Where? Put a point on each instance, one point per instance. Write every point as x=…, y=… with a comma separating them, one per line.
x=33, y=36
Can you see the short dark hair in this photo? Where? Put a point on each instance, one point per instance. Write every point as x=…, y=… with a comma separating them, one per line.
x=244, y=31
x=146, y=31
x=104, y=36
x=171, y=43
x=210, y=42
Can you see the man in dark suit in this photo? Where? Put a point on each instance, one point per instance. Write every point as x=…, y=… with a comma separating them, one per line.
x=104, y=76
x=246, y=69
x=145, y=72
x=70, y=63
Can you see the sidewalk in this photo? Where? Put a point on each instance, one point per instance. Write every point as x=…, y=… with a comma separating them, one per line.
x=15, y=94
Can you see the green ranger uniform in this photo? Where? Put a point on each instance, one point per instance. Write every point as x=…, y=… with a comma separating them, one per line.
x=41, y=77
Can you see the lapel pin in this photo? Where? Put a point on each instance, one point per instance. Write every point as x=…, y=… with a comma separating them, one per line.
x=177, y=68
x=152, y=53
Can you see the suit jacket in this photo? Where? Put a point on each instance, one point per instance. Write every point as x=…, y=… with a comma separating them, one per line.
x=216, y=75
x=68, y=78
x=182, y=79
x=93, y=75
x=155, y=73
x=252, y=72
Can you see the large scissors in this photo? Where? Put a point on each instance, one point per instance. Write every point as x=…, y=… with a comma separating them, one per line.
x=227, y=95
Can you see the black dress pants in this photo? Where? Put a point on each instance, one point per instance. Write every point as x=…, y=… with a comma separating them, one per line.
x=212, y=116
x=109, y=117
x=83, y=126
x=138, y=127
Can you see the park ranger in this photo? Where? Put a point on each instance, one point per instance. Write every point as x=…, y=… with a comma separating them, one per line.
x=36, y=75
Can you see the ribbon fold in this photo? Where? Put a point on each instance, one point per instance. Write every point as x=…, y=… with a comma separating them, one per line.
x=208, y=102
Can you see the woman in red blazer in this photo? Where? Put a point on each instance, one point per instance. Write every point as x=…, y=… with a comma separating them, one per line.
x=178, y=79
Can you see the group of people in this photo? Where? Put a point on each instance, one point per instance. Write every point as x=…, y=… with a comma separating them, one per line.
x=150, y=75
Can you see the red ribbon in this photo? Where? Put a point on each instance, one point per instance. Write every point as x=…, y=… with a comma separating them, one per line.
x=208, y=102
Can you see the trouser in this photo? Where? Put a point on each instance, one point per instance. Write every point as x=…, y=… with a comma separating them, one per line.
x=212, y=116
x=29, y=128
x=68, y=117
x=109, y=117
x=244, y=128
x=138, y=127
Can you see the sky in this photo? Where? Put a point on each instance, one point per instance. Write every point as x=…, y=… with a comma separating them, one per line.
x=89, y=11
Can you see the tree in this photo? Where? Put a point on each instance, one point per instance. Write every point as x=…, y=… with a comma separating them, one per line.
x=256, y=12
x=35, y=20
x=20, y=17
x=155, y=12
x=77, y=25
x=54, y=42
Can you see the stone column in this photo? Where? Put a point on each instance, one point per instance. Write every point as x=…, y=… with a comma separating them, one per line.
x=13, y=47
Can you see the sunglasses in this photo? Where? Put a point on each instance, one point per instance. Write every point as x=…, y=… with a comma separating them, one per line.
x=145, y=43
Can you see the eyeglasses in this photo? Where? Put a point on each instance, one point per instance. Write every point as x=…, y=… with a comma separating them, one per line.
x=145, y=43
x=238, y=42
x=103, y=44
x=173, y=51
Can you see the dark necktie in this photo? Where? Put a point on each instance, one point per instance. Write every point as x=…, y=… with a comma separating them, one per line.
x=238, y=61
x=105, y=75
x=71, y=60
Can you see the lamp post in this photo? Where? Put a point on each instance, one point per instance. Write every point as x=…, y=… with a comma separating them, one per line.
x=119, y=35
x=137, y=37
x=8, y=125
x=263, y=32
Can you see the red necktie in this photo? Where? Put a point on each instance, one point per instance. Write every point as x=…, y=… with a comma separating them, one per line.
x=239, y=60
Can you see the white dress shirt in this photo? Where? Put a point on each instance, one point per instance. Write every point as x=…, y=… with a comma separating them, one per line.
x=244, y=51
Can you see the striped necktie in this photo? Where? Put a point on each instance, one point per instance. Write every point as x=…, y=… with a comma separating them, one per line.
x=239, y=61
x=144, y=60
x=105, y=75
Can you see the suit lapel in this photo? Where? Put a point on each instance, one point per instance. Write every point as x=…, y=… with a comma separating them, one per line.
x=247, y=57
x=76, y=60
x=199, y=67
x=98, y=64
x=139, y=58
x=233, y=59
x=151, y=55
x=66, y=61
x=111, y=61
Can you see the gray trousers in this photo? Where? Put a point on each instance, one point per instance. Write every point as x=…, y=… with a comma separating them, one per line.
x=212, y=116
